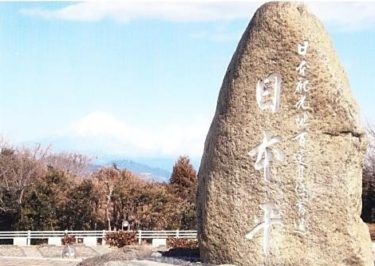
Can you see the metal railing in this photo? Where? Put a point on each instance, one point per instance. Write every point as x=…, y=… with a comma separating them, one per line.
x=46, y=234
x=140, y=234
x=164, y=234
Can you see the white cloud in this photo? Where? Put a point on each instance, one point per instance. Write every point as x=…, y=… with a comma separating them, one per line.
x=104, y=131
x=345, y=15
x=180, y=11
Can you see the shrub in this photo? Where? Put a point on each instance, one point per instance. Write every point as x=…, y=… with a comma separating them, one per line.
x=120, y=238
x=69, y=239
x=182, y=243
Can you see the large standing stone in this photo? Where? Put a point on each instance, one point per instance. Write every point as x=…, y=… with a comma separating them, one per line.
x=303, y=208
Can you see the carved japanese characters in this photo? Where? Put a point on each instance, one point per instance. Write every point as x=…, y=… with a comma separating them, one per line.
x=268, y=92
x=265, y=154
x=271, y=216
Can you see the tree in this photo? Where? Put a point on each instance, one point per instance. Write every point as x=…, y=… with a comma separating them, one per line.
x=73, y=164
x=368, y=188
x=108, y=177
x=43, y=207
x=83, y=202
x=124, y=198
x=20, y=168
x=155, y=207
x=184, y=179
x=183, y=183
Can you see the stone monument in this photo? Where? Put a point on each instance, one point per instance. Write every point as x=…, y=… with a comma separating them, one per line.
x=280, y=178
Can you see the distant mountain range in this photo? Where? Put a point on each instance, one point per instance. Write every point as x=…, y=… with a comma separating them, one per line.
x=144, y=170
x=158, y=169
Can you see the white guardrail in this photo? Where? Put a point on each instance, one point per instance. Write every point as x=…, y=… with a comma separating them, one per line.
x=90, y=237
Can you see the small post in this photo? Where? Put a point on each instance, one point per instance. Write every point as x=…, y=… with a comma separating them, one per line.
x=139, y=237
x=103, y=238
x=66, y=234
x=28, y=241
x=177, y=233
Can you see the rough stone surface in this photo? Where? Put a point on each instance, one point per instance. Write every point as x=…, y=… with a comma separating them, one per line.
x=135, y=263
x=126, y=253
x=231, y=190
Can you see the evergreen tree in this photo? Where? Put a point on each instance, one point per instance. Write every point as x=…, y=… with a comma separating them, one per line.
x=183, y=183
x=184, y=179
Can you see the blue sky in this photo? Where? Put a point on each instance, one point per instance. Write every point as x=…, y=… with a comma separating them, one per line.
x=141, y=78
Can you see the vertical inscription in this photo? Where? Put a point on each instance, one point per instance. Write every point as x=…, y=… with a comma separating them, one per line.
x=302, y=125
x=268, y=98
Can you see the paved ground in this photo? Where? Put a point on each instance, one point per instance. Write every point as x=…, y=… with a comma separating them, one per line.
x=33, y=256
x=65, y=262
x=137, y=263
x=45, y=255
x=17, y=261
